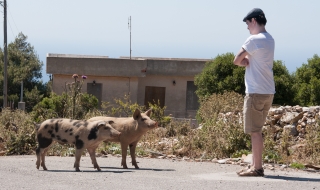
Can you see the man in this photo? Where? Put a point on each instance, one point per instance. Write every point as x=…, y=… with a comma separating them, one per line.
x=256, y=54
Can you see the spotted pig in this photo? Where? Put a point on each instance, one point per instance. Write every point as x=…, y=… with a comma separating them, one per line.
x=132, y=129
x=83, y=134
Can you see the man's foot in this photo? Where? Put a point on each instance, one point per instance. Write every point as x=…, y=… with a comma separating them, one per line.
x=244, y=169
x=252, y=172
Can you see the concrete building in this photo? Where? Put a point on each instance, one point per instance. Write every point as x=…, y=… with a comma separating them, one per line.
x=171, y=81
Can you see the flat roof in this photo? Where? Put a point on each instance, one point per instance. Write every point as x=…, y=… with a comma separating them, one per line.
x=164, y=58
x=75, y=55
x=123, y=57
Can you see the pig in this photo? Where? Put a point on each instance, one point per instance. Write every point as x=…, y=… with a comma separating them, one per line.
x=83, y=134
x=132, y=129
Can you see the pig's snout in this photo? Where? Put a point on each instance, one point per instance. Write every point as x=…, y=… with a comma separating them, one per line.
x=115, y=134
x=153, y=125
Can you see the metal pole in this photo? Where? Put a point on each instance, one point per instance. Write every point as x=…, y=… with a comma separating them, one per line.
x=21, y=94
x=129, y=23
x=5, y=95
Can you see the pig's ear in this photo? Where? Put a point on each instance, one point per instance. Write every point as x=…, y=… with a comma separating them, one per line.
x=101, y=124
x=136, y=114
x=148, y=112
x=36, y=125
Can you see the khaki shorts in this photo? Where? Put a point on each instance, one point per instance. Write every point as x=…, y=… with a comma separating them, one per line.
x=255, y=111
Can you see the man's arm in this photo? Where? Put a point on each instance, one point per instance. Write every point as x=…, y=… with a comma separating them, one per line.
x=240, y=59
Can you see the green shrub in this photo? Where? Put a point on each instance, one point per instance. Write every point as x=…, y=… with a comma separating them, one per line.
x=220, y=75
x=123, y=107
x=71, y=104
x=297, y=165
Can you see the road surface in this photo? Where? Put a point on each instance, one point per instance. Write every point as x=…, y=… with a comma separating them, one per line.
x=19, y=172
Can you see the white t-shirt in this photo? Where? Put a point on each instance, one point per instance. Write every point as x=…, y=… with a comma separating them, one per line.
x=259, y=73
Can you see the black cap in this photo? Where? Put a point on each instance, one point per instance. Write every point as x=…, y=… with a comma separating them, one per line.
x=254, y=13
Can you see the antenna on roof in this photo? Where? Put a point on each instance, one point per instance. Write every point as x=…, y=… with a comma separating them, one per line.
x=129, y=27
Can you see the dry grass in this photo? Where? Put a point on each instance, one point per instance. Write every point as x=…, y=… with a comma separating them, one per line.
x=17, y=133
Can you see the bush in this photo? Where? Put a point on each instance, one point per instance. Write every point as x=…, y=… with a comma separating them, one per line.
x=71, y=104
x=283, y=83
x=18, y=132
x=307, y=83
x=219, y=103
x=123, y=107
x=220, y=75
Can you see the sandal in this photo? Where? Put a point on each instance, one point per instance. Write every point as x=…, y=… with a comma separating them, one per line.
x=254, y=172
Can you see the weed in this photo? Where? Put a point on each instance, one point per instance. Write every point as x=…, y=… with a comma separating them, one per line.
x=297, y=165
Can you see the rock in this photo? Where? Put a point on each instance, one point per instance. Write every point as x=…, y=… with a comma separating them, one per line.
x=274, y=111
x=291, y=129
x=298, y=109
x=283, y=167
x=186, y=158
x=288, y=108
x=171, y=156
x=222, y=161
x=214, y=160
x=291, y=117
x=2, y=146
x=247, y=159
x=311, y=121
x=2, y=153
x=306, y=109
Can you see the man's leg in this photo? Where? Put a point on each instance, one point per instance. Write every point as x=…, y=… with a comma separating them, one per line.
x=257, y=148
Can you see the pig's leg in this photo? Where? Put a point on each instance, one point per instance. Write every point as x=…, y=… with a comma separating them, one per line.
x=133, y=154
x=77, y=159
x=43, y=157
x=92, y=152
x=38, y=152
x=124, y=148
x=43, y=146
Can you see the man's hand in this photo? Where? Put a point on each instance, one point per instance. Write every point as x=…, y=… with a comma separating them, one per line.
x=241, y=58
x=244, y=62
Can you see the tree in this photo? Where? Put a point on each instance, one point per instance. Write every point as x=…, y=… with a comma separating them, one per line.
x=283, y=83
x=307, y=82
x=220, y=75
x=24, y=66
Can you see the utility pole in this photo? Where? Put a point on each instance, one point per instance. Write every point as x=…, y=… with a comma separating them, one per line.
x=129, y=26
x=5, y=95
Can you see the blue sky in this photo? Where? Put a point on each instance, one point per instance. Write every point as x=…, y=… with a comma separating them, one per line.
x=166, y=28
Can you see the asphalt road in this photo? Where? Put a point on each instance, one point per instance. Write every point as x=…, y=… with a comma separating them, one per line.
x=19, y=172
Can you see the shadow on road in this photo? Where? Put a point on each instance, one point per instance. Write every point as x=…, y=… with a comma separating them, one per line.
x=133, y=169
x=292, y=178
x=85, y=171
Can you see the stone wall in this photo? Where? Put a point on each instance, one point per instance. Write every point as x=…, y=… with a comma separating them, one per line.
x=293, y=119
